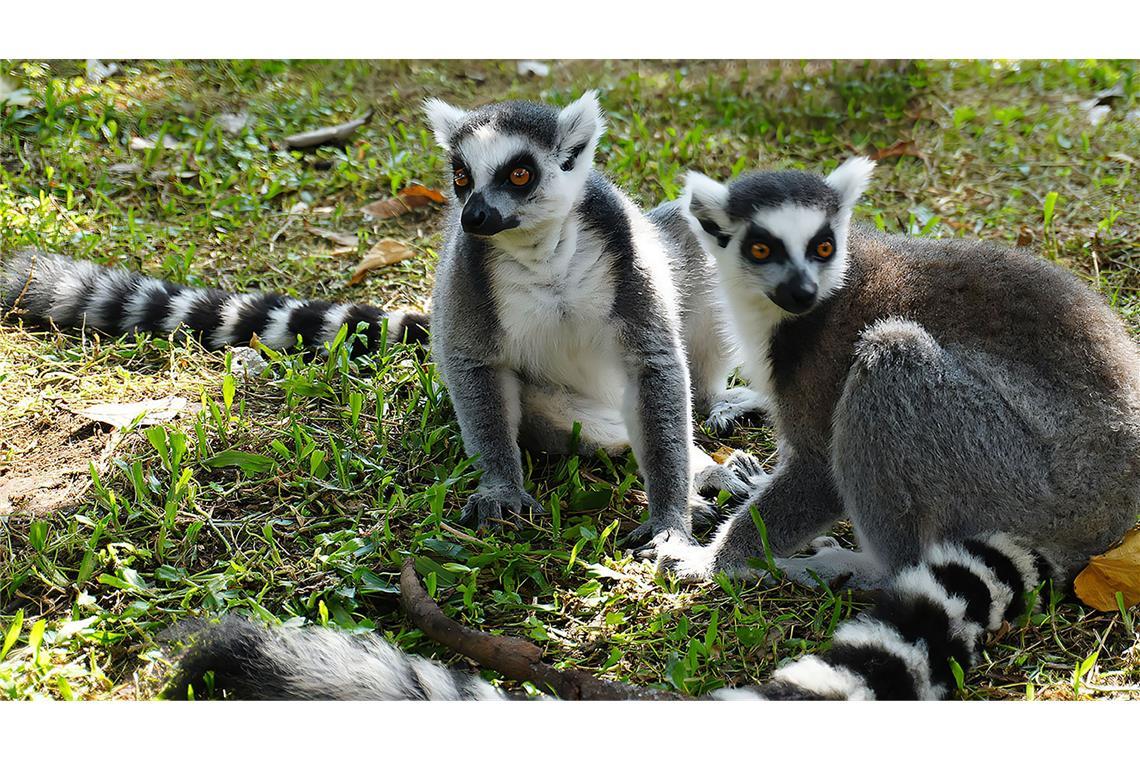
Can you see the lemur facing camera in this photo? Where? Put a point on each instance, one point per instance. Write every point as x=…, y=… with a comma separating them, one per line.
x=928, y=390
x=558, y=301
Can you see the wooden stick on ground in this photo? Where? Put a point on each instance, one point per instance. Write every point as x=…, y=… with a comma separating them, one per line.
x=515, y=658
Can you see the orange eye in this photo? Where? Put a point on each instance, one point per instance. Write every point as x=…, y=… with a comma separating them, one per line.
x=824, y=249
x=461, y=179
x=760, y=251
x=520, y=176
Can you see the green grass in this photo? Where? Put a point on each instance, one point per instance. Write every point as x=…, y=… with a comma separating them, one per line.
x=296, y=496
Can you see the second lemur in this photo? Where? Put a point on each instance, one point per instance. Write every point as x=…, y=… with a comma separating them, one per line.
x=557, y=301
x=928, y=390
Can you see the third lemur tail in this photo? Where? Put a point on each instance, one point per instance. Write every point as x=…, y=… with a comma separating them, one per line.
x=941, y=608
x=48, y=288
x=938, y=609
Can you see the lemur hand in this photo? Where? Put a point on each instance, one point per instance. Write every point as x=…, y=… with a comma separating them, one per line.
x=686, y=561
x=645, y=539
x=492, y=505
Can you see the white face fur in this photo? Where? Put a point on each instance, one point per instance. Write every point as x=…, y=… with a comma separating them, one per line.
x=782, y=258
x=519, y=171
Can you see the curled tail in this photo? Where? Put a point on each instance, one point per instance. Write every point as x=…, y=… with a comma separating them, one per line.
x=253, y=661
x=47, y=288
x=939, y=609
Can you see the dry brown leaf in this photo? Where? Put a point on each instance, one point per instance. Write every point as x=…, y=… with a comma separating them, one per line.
x=721, y=455
x=385, y=253
x=1116, y=570
x=344, y=239
x=901, y=148
x=146, y=412
x=411, y=197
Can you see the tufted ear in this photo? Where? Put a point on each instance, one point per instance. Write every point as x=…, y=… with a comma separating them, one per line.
x=580, y=124
x=706, y=201
x=445, y=119
x=851, y=179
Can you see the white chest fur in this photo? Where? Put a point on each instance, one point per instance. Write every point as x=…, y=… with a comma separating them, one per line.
x=557, y=328
x=753, y=321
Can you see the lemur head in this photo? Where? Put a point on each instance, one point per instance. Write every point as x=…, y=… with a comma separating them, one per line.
x=780, y=234
x=517, y=165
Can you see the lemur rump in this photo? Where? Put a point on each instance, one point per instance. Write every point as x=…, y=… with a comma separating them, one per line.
x=557, y=301
x=939, y=609
x=45, y=288
x=927, y=389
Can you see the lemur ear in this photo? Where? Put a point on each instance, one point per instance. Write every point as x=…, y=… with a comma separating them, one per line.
x=851, y=179
x=445, y=119
x=580, y=124
x=706, y=201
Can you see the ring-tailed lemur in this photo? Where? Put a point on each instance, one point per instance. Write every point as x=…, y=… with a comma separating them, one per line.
x=937, y=610
x=557, y=301
x=927, y=389
x=46, y=288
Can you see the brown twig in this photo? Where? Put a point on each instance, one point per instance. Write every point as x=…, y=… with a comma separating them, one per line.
x=515, y=658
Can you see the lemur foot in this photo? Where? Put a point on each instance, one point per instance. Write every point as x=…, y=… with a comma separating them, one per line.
x=733, y=408
x=491, y=506
x=741, y=475
x=833, y=566
x=645, y=539
x=703, y=511
x=687, y=562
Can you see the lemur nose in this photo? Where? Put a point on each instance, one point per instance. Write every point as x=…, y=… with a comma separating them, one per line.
x=480, y=218
x=803, y=292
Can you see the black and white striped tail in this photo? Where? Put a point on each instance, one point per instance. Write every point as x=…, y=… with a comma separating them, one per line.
x=47, y=288
x=941, y=608
x=249, y=660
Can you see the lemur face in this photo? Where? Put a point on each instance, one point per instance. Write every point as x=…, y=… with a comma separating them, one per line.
x=781, y=235
x=517, y=165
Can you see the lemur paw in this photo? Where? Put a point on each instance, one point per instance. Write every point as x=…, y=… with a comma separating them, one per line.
x=687, y=562
x=736, y=406
x=645, y=539
x=491, y=506
x=741, y=475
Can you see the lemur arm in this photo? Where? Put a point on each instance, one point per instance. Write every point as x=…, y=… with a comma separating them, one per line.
x=797, y=504
x=657, y=412
x=486, y=401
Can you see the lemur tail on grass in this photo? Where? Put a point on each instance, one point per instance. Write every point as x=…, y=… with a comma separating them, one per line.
x=45, y=288
x=939, y=609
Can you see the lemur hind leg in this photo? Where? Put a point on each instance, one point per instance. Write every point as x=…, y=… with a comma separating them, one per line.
x=928, y=446
x=548, y=417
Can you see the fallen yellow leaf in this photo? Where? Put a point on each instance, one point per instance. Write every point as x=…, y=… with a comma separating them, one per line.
x=1116, y=570
x=385, y=252
x=722, y=454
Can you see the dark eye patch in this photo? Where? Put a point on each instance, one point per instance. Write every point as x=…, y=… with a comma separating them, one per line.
x=525, y=160
x=456, y=165
x=825, y=235
x=755, y=235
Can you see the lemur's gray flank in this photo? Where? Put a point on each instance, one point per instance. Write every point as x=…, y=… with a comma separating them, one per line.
x=45, y=288
x=927, y=389
x=939, y=609
x=557, y=301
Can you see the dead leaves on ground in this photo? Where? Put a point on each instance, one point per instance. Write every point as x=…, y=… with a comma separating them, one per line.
x=1117, y=570
x=900, y=148
x=411, y=197
x=385, y=253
